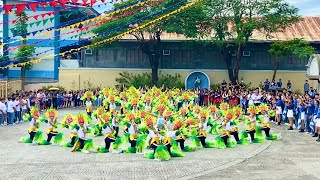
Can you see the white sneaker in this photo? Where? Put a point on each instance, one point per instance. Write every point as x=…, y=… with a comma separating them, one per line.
x=54, y=144
x=17, y=122
x=280, y=136
x=119, y=152
x=157, y=159
x=34, y=143
x=2, y=124
x=21, y=121
x=85, y=151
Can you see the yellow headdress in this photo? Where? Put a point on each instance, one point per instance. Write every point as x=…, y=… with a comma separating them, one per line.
x=224, y=106
x=106, y=116
x=253, y=109
x=81, y=118
x=213, y=109
x=34, y=111
x=229, y=114
x=263, y=107
x=204, y=114
x=99, y=111
x=88, y=94
x=106, y=92
x=51, y=113
x=237, y=111
x=183, y=110
x=68, y=118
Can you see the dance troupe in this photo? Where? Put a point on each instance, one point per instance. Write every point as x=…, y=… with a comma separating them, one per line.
x=155, y=124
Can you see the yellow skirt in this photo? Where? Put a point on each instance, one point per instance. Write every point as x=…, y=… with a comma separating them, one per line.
x=133, y=137
x=266, y=125
x=109, y=135
x=51, y=130
x=32, y=129
x=234, y=129
x=167, y=140
x=202, y=133
x=181, y=136
x=225, y=133
x=89, y=108
x=73, y=134
x=155, y=140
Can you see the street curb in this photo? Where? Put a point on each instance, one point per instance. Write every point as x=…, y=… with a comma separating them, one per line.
x=229, y=164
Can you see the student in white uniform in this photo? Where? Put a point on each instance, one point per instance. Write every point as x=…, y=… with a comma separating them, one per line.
x=115, y=123
x=3, y=112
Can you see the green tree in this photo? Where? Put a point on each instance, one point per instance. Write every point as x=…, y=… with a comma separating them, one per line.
x=24, y=51
x=188, y=22
x=297, y=48
x=234, y=22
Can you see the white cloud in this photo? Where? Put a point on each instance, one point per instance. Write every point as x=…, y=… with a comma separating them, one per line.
x=295, y=2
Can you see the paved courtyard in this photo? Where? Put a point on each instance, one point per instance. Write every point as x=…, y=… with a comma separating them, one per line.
x=296, y=156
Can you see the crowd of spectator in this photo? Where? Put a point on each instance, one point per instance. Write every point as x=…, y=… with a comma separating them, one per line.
x=298, y=110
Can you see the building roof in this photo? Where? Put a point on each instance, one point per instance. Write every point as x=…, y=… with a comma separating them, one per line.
x=308, y=28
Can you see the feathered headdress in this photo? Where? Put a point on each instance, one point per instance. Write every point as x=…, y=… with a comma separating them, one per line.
x=81, y=118
x=105, y=91
x=190, y=121
x=99, y=111
x=213, y=109
x=34, y=111
x=88, y=94
x=123, y=95
x=204, y=114
x=51, y=113
x=106, y=117
x=68, y=118
x=150, y=120
x=183, y=111
x=237, y=111
x=224, y=106
x=263, y=107
x=253, y=109
x=178, y=124
x=229, y=114
x=160, y=107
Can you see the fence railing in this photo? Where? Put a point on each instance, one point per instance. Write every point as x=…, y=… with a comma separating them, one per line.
x=7, y=87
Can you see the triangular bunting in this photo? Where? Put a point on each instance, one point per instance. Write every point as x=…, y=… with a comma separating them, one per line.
x=85, y=2
x=36, y=17
x=45, y=21
x=43, y=15
x=8, y=7
x=20, y=8
x=53, y=3
x=43, y=4
x=63, y=2
x=34, y=33
x=14, y=21
x=33, y=6
x=92, y=2
x=31, y=24
x=38, y=23
x=49, y=13
x=74, y=1
x=51, y=19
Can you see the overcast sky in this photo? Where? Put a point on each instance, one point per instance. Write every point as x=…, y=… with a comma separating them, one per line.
x=307, y=7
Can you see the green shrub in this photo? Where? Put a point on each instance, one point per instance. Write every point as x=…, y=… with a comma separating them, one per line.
x=145, y=79
x=215, y=86
x=46, y=88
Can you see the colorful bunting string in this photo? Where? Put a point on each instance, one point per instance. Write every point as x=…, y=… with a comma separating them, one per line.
x=33, y=5
x=139, y=27
x=93, y=25
x=95, y=19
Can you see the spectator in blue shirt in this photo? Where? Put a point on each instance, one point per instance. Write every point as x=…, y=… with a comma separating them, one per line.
x=266, y=85
x=311, y=93
x=302, y=115
x=279, y=84
x=309, y=112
